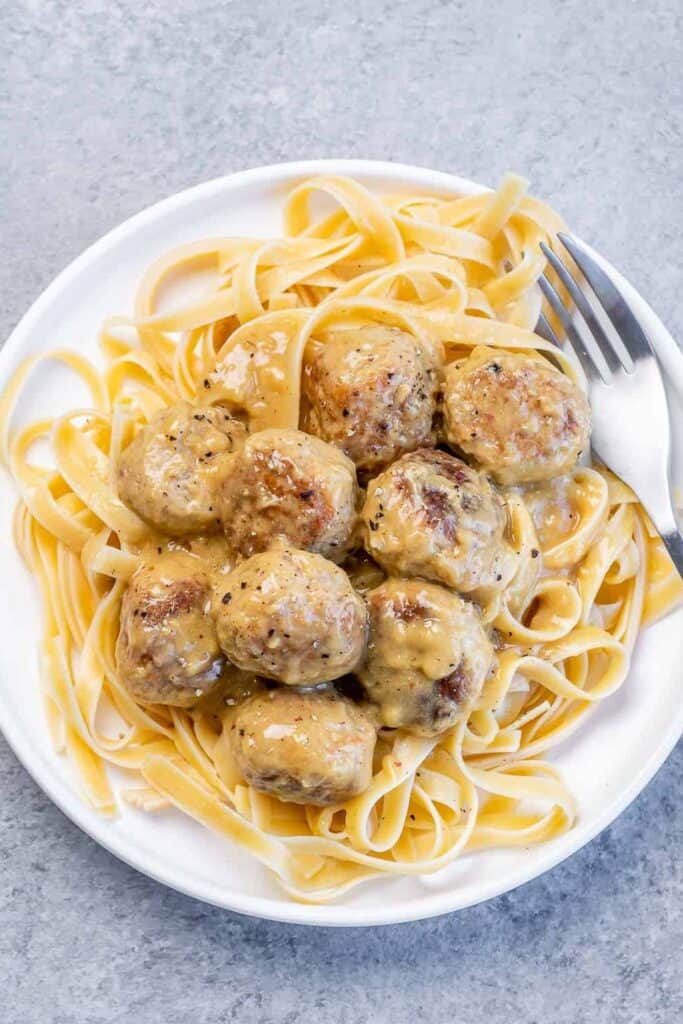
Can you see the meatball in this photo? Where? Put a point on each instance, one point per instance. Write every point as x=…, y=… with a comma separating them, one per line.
x=517, y=416
x=167, y=651
x=428, y=655
x=308, y=748
x=287, y=484
x=372, y=391
x=292, y=616
x=171, y=472
x=432, y=515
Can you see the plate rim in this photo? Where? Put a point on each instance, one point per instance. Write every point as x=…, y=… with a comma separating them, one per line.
x=335, y=914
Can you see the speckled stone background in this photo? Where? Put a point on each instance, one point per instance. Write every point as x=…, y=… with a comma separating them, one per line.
x=109, y=105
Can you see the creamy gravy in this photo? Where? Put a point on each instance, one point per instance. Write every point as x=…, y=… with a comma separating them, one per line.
x=213, y=552
x=259, y=371
x=554, y=508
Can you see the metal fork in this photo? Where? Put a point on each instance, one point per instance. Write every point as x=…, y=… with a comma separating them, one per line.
x=631, y=425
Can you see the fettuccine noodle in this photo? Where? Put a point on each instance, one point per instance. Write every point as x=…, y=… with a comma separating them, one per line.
x=462, y=271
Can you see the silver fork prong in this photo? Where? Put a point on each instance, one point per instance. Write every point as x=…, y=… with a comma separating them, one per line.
x=584, y=308
x=544, y=328
x=585, y=357
x=613, y=302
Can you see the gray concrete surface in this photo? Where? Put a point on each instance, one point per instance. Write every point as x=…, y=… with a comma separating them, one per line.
x=109, y=105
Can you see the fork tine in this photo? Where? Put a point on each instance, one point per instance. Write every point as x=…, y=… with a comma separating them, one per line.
x=578, y=345
x=582, y=304
x=545, y=330
x=626, y=325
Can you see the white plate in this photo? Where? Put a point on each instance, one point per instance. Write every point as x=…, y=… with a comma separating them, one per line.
x=607, y=762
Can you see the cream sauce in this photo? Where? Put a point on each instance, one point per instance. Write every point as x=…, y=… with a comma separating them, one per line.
x=212, y=554
x=554, y=507
x=259, y=371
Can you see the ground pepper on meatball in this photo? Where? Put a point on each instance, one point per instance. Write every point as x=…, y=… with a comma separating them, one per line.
x=286, y=484
x=306, y=748
x=431, y=515
x=167, y=651
x=428, y=655
x=373, y=392
x=517, y=416
x=291, y=616
x=171, y=472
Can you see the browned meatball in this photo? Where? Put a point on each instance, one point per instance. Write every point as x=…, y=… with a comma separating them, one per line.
x=428, y=655
x=171, y=472
x=287, y=484
x=433, y=516
x=307, y=748
x=372, y=391
x=292, y=616
x=517, y=416
x=167, y=651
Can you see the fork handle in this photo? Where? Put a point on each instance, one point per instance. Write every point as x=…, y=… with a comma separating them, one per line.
x=673, y=541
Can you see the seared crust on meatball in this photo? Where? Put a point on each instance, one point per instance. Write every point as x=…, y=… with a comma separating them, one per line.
x=433, y=516
x=171, y=472
x=287, y=484
x=428, y=655
x=167, y=651
x=517, y=416
x=372, y=391
x=292, y=616
x=307, y=748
